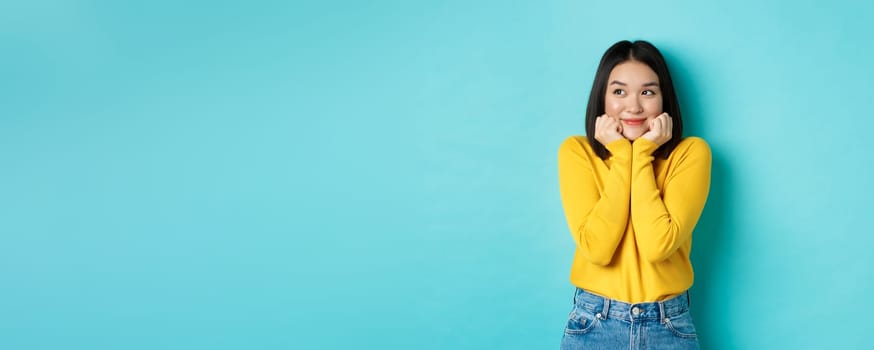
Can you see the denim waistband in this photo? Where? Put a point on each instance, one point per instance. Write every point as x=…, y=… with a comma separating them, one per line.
x=605, y=307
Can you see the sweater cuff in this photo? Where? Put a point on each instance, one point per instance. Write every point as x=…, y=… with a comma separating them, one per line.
x=644, y=146
x=620, y=145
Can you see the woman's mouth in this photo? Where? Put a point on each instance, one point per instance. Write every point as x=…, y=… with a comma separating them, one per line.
x=633, y=122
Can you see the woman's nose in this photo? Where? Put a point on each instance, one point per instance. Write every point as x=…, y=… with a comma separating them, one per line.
x=634, y=106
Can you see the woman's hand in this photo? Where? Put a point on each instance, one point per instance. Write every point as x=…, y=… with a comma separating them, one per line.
x=660, y=129
x=607, y=130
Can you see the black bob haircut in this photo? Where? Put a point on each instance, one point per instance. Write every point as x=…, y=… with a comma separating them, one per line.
x=646, y=53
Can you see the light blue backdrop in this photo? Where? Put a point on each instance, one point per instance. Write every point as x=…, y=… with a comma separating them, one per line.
x=382, y=174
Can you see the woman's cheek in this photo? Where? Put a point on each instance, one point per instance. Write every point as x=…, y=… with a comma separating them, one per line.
x=613, y=109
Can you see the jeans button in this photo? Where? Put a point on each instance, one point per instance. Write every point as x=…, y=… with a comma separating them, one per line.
x=635, y=311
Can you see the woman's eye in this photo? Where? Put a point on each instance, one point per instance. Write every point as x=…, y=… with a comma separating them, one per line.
x=649, y=92
x=618, y=92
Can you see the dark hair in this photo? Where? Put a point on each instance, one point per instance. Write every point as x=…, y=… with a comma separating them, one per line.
x=646, y=53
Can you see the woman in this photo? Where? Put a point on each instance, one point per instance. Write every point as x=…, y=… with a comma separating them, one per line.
x=632, y=191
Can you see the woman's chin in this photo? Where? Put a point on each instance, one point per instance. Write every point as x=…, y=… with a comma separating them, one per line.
x=631, y=137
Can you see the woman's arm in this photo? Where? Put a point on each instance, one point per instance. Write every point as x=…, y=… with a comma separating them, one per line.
x=664, y=220
x=597, y=220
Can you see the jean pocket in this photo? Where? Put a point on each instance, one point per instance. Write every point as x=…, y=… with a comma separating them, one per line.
x=681, y=325
x=580, y=321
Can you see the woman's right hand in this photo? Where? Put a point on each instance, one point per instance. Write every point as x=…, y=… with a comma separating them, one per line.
x=607, y=129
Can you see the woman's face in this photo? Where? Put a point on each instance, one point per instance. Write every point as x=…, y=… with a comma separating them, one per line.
x=633, y=97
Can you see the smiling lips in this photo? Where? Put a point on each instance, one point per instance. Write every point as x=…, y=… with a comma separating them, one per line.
x=633, y=122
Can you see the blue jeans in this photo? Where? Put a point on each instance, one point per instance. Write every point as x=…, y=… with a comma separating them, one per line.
x=601, y=323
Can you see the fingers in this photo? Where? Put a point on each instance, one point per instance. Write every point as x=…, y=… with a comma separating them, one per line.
x=604, y=123
x=607, y=129
x=610, y=123
x=660, y=129
x=656, y=125
x=613, y=124
x=668, y=127
x=665, y=122
x=670, y=122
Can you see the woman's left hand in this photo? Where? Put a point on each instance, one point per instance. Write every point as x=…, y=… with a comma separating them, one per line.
x=660, y=129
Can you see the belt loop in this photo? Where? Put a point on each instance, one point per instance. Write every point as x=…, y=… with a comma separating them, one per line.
x=688, y=299
x=661, y=312
x=606, y=308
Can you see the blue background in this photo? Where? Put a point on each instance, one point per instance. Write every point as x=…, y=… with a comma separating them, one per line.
x=382, y=174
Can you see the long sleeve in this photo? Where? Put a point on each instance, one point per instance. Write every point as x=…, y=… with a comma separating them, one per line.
x=597, y=218
x=663, y=220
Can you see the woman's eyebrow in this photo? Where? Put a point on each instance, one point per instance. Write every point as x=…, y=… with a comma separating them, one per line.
x=617, y=82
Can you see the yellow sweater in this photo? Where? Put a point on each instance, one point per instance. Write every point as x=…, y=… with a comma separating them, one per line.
x=632, y=215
